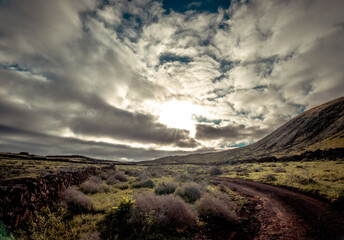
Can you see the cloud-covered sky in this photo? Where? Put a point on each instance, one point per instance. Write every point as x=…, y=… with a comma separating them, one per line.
x=141, y=79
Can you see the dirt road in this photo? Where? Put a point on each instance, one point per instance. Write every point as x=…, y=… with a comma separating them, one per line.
x=284, y=214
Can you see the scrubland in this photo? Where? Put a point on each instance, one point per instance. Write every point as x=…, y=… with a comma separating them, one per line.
x=171, y=201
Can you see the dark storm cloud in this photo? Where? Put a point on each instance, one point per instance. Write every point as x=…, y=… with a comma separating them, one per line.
x=229, y=132
x=83, y=113
x=14, y=139
x=113, y=122
x=92, y=118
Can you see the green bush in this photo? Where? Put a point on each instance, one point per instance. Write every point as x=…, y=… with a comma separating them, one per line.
x=47, y=224
x=115, y=223
x=4, y=235
x=165, y=188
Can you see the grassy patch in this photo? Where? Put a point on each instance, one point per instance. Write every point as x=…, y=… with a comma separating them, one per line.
x=325, y=178
x=11, y=168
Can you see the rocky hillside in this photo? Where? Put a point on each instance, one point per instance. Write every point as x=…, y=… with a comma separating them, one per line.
x=321, y=127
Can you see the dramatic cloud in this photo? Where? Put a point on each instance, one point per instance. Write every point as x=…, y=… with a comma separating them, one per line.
x=142, y=79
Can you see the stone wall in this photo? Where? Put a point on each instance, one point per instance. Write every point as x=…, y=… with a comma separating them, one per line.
x=19, y=198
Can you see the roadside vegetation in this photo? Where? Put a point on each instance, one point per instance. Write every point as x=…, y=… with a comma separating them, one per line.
x=324, y=178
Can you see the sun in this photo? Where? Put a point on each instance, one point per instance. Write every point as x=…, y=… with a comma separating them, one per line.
x=179, y=114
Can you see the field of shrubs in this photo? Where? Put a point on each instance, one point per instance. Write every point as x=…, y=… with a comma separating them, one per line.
x=137, y=202
x=12, y=166
x=171, y=201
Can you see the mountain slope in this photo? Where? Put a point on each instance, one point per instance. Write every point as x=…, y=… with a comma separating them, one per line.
x=321, y=127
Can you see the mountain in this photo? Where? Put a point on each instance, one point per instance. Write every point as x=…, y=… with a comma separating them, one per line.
x=321, y=127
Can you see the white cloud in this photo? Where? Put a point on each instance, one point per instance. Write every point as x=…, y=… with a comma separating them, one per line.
x=63, y=61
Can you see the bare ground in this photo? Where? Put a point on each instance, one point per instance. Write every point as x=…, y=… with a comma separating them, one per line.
x=278, y=213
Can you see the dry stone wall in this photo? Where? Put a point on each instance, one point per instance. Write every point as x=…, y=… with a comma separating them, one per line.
x=19, y=198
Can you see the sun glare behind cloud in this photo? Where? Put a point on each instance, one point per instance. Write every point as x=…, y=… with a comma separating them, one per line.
x=179, y=115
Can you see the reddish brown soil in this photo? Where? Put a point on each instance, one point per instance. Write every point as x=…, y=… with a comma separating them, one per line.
x=278, y=213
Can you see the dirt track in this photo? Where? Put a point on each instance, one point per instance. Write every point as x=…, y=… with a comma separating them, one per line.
x=284, y=214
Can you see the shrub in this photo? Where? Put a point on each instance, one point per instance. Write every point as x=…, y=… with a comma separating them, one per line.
x=269, y=178
x=105, y=187
x=94, y=185
x=104, y=175
x=280, y=170
x=149, y=217
x=121, y=177
x=112, y=180
x=165, y=188
x=195, y=171
x=47, y=224
x=143, y=176
x=131, y=172
x=154, y=171
x=168, y=212
x=190, y=192
x=122, y=186
x=215, y=213
x=182, y=177
x=115, y=223
x=215, y=171
x=76, y=201
x=144, y=184
x=301, y=180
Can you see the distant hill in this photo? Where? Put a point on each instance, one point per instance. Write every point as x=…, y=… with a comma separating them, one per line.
x=321, y=127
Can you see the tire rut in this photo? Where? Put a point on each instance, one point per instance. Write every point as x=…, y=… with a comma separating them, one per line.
x=285, y=214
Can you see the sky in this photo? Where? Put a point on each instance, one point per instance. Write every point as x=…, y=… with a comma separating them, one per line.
x=141, y=79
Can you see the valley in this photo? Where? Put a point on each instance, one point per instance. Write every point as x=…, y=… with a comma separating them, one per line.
x=268, y=190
